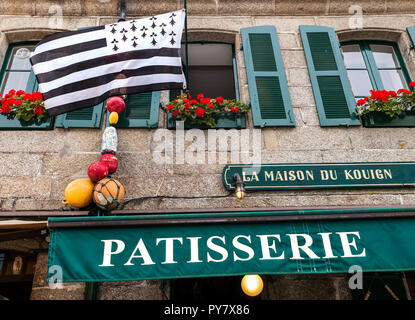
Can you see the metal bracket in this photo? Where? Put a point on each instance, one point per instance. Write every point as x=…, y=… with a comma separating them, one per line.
x=122, y=11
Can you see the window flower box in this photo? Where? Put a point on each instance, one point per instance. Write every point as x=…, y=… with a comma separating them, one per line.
x=21, y=110
x=388, y=108
x=19, y=124
x=226, y=120
x=206, y=113
x=380, y=119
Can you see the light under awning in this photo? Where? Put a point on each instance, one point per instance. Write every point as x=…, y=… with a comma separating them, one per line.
x=171, y=246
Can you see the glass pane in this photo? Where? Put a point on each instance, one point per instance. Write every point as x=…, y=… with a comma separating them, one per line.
x=360, y=81
x=20, y=58
x=393, y=79
x=211, y=70
x=353, y=57
x=209, y=54
x=212, y=82
x=14, y=80
x=384, y=56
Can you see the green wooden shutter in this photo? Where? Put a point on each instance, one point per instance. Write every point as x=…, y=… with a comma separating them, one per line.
x=270, y=99
x=83, y=118
x=332, y=92
x=411, y=33
x=141, y=111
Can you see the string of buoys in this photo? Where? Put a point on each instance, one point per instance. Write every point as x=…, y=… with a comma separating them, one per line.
x=105, y=191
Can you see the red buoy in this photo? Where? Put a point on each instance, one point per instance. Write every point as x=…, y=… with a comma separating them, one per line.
x=115, y=104
x=111, y=161
x=98, y=171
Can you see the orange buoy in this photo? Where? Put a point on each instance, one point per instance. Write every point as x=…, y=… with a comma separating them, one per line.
x=108, y=193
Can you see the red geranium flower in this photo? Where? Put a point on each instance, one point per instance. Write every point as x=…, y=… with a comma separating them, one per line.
x=211, y=106
x=412, y=84
x=200, y=96
x=200, y=112
x=38, y=110
x=175, y=113
x=5, y=109
x=28, y=96
x=404, y=91
x=169, y=107
x=205, y=100
x=37, y=96
x=20, y=92
x=380, y=95
x=234, y=109
x=193, y=101
x=219, y=100
x=361, y=101
x=11, y=101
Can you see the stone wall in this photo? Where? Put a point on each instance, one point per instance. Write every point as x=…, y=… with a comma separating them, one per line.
x=206, y=7
x=42, y=291
x=36, y=166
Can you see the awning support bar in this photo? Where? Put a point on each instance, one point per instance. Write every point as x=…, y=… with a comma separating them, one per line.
x=227, y=220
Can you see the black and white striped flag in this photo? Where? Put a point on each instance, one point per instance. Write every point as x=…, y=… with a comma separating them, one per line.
x=82, y=68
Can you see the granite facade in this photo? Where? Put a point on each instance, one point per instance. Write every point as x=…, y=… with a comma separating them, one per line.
x=36, y=166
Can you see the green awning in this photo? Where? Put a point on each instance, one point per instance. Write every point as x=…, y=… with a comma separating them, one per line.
x=167, y=246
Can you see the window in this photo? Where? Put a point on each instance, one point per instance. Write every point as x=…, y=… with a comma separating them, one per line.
x=16, y=73
x=211, y=72
x=374, y=65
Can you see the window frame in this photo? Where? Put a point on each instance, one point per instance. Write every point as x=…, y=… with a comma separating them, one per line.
x=234, y=65
x=15, y=124
x=371, y=67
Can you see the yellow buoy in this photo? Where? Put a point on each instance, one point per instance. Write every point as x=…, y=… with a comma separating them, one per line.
x=78, y=193
x=113, y=119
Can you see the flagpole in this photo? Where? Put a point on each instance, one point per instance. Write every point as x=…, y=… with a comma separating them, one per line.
x=186, y=47
x=122, y=11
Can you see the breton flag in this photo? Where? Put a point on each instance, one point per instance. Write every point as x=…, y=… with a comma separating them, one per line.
x=82, y=68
